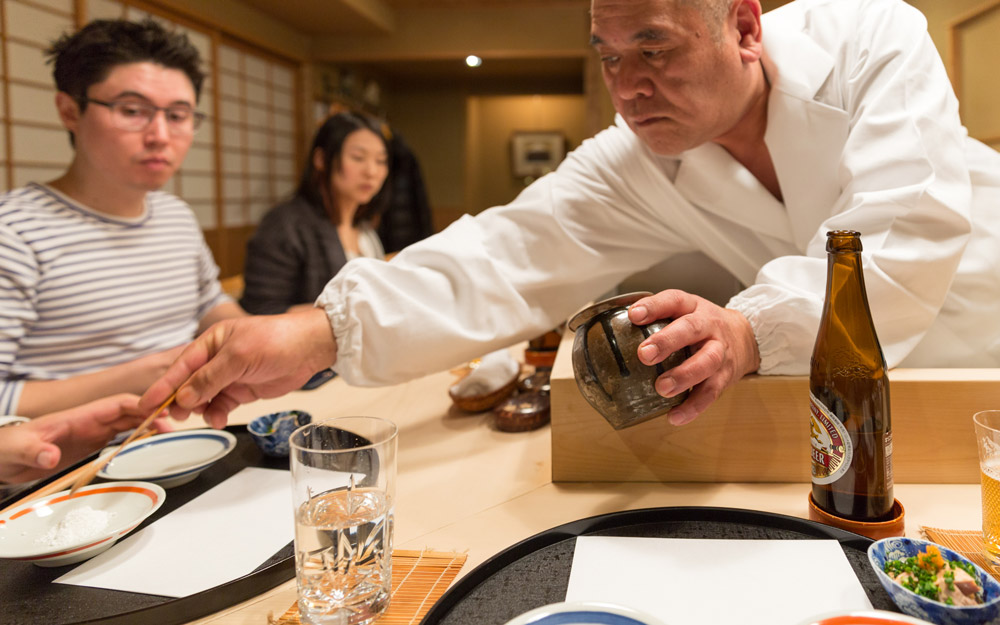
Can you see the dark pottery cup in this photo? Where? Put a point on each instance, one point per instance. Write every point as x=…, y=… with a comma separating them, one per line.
x=607, y=367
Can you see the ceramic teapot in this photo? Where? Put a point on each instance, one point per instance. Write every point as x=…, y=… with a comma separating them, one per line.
x=607, y=367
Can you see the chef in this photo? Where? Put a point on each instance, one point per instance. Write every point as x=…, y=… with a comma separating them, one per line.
x=741, y=136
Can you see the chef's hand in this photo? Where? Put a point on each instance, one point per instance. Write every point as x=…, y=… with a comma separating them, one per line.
x=42, y=446
x=723, y=348
x=241, y=360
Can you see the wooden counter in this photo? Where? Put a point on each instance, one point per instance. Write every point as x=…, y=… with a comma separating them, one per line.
x=464, y=486
x=758, y=431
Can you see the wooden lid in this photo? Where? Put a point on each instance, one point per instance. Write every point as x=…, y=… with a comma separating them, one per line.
x=522, y=412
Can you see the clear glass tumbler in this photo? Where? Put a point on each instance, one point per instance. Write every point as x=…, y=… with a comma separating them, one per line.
x=343, y=479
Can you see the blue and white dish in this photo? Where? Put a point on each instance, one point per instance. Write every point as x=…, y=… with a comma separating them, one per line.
x=272, y=431
x=921, y=607
x=169, y=459
x=584, y=613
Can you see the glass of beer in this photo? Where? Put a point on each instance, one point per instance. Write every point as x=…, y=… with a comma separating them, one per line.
x=343, y=480
x=987, y=423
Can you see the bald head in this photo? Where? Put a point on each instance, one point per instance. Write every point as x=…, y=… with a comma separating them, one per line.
x=713, y=11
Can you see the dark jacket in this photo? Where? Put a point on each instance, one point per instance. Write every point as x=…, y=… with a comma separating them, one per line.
x=407, y=218
x=290, y=258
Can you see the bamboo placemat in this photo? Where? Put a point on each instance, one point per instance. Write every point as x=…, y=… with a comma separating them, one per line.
x=969, y=543
x=419, y=578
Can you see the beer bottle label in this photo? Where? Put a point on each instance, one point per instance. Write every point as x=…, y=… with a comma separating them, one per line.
x=888, y=459
x=832, y=450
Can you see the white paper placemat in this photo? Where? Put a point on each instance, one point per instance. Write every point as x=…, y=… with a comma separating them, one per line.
x=751, y=582
x=221, y=535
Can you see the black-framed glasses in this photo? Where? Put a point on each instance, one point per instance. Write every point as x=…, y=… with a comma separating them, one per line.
x=135, y=116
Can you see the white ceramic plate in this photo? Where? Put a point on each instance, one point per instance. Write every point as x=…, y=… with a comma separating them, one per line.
x=63, y=529
x=584, y=613
x=169, y=459
x=865, y=617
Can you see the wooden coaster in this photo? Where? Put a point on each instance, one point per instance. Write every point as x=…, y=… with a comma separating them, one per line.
x=419, y=578
x=969, y=543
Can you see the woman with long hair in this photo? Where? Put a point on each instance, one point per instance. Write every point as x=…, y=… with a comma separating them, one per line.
x=301, y=243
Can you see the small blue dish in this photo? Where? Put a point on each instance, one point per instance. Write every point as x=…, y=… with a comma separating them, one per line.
x=272, y=431
x=921, y=607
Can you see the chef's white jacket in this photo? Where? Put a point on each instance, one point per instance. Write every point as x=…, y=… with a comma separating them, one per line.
x=864, y=131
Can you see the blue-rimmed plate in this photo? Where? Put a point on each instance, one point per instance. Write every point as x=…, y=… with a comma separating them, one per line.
x=584, y=613
x=169, y=459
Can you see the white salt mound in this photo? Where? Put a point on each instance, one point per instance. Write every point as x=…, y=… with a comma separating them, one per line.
x=80, y=524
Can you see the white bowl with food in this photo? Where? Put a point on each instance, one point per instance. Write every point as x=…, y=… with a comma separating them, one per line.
x=61, y=529
x=169, y=459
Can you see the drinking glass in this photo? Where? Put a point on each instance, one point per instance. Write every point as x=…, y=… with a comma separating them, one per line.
x=987, y=423
x=343, y=481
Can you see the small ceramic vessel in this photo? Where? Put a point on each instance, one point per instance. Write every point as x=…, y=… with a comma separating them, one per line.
x=607, y=367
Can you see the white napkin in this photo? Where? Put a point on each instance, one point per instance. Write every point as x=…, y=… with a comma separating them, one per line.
x=218, y=536
x=704, y=580
x=495, y=369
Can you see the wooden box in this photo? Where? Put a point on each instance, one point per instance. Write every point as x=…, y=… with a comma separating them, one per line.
x=758, y=431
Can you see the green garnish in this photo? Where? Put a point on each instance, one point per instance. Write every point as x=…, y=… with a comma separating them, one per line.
x=921, y=574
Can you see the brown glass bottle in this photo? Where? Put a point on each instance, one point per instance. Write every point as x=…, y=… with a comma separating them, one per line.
x=849, y=395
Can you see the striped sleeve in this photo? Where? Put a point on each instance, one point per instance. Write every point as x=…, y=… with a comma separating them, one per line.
x=19, y=275
x=210, y=292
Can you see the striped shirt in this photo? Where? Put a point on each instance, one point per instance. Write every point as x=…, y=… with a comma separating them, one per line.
x=81, y=291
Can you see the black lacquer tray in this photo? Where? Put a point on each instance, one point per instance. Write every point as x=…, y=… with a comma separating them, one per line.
x=28, y=596
x=535, y=572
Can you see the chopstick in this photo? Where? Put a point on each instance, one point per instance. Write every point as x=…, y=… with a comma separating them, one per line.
x=64, y=481
x=92, y=469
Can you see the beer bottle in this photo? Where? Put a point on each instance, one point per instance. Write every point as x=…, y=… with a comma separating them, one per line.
x=849, y=395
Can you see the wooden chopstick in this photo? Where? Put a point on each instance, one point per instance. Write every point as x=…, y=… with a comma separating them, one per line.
x=92, y=469
x=63, y=482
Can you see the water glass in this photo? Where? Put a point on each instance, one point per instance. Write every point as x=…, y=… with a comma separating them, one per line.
x=987, y=424
x=343, y=481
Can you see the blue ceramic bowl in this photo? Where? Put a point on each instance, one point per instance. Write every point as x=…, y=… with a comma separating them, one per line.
x=272, y=431
x=913, y=604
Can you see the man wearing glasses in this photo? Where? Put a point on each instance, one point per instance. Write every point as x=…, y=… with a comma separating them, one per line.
x=103, y=278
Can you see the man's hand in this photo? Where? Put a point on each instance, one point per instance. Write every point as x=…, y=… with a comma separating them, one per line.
x=241, y=360
x=723, y=348
x=54, y=441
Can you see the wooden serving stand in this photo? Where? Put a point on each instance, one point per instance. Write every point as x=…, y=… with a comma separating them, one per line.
x=758, y=431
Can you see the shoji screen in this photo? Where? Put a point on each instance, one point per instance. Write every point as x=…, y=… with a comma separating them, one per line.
x=244, y=158
x=258, y=137
x=33, y=144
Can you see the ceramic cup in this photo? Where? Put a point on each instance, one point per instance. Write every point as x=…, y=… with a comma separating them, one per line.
x=272, y=431
x=607, y=367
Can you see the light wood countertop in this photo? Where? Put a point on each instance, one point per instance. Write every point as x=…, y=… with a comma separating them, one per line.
x=464, y=486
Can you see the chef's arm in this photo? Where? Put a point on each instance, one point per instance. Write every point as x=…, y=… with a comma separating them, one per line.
x=243, y=359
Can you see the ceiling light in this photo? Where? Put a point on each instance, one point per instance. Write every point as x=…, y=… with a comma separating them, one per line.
x=473, y=61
